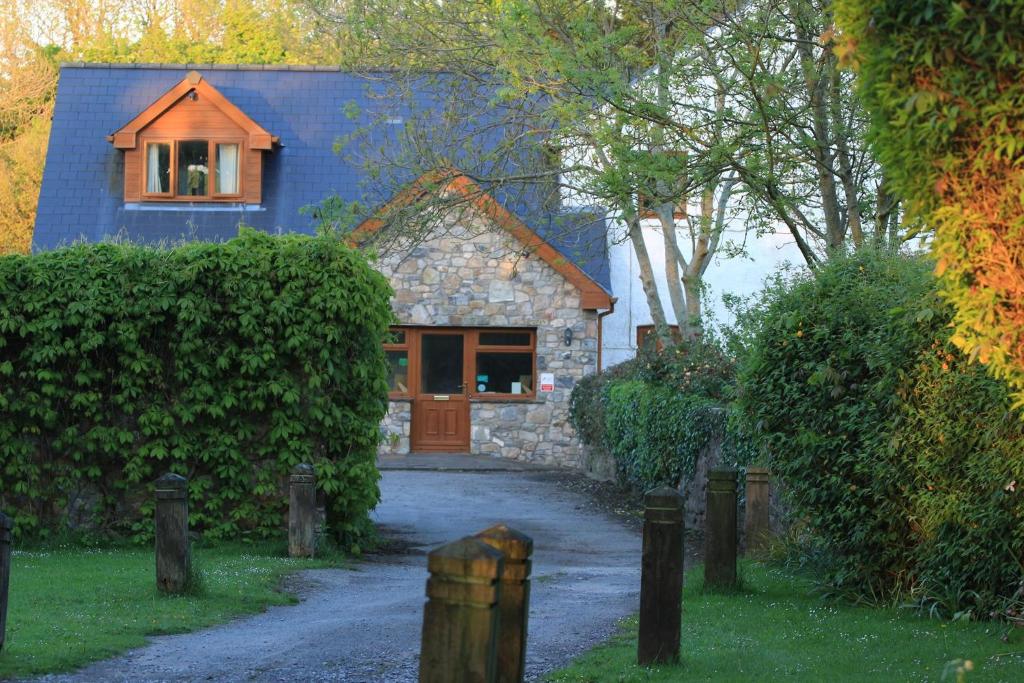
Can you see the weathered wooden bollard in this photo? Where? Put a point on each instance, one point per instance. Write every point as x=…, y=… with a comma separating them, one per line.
x=514, y=602
x=756, y=523
x=720, y=536
x=6, y=524
x=661, y=578
x=172, y=551
x=302, y=512
x=460, y=619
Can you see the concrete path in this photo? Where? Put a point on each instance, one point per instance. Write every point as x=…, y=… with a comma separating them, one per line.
x=364, y=624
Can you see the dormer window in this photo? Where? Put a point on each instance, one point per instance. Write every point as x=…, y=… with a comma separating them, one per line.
x=193, y=145
x=193, y=169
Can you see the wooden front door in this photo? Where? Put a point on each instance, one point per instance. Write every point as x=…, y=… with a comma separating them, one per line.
x=440, y=410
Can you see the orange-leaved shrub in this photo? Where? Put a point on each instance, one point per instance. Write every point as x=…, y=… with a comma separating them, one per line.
x=944, y=83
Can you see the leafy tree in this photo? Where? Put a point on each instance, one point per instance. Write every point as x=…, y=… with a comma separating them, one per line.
x=945, y=85
x=696, y=114
x=27, y=76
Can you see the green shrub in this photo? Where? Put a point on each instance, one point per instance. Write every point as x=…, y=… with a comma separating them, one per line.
x=588, y=400
x=655, y=414
x=894, y=448
x=227, y=363
x=655, y=432
x=963, y=451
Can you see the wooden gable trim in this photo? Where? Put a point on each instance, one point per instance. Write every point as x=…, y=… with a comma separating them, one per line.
x=126, y=137
x=592, y=295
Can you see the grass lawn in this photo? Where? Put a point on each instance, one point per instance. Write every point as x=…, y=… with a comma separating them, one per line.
x=70, y=607
x=777, y=629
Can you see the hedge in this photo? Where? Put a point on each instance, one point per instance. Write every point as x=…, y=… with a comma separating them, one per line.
x=903, y=457
x=656, y=434
x=656, y=413
x=227, y=363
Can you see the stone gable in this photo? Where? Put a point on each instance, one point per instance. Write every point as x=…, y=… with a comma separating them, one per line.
x=475, y=277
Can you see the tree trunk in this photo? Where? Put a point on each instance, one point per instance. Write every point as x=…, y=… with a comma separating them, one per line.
x=817, y=85
x=647, y=279
x=673, y=260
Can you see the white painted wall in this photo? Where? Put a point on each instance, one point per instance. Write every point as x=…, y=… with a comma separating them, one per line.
x=740, y=275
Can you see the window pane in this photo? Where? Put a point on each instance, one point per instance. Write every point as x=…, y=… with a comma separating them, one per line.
x=394, y=337
x=158, y=167
x=398, y=378
x=504, y=373
x=441, y=355
x=227, y=168
x=504, y=339
x=193, y=167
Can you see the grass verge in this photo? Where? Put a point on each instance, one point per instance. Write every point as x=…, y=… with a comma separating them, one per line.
x=69, y=607
x=776, y=628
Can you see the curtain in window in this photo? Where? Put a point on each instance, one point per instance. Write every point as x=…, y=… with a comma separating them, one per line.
x=227, y=169
x=153, y=170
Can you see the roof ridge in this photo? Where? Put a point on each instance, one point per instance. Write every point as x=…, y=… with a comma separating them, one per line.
x=207, y=67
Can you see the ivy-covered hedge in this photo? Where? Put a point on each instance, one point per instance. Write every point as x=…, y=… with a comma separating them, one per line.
x=903, y=457
x=227, y=363
x=944, y=83
x=656, y=433
x=655, y=414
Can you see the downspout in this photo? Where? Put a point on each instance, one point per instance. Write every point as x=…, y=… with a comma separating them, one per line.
x=600, y=341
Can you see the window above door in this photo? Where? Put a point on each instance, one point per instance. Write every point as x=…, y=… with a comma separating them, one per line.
x=491, y=363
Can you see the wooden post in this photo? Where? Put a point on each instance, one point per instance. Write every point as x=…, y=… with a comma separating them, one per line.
x=172, y=551
x=756, y=524
x=720, y=537
x=514, y=603
x=6, y=524
x=661, y=578
x=302, y=512
x=460, y=619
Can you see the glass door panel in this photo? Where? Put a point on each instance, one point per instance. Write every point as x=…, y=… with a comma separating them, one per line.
x=441, y=364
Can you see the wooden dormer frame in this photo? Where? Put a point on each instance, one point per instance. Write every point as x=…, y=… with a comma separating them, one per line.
x=191, y=111
x=126, y=137
x=592, y=295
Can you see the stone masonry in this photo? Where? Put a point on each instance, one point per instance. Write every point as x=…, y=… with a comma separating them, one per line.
x=478, y=276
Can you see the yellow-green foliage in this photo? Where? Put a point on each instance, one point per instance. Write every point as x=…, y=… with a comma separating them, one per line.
x=228, y=363
x=944, y=82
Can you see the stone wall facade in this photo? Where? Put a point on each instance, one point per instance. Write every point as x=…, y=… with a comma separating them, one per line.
x=478, y=276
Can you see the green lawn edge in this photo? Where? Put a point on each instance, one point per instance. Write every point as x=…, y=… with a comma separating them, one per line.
x=777, y=628
x=71, y=607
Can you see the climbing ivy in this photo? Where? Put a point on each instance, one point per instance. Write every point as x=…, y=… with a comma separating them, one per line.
x=227, y=363
x=656, y=433
x=656, y=413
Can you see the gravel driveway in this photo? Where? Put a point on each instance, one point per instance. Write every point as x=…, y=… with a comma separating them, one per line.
x=364, y=624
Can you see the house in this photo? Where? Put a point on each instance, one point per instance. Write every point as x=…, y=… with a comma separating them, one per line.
x=500, y=314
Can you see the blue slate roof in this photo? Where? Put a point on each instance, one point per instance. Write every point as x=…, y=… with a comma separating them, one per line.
x=309, y=108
